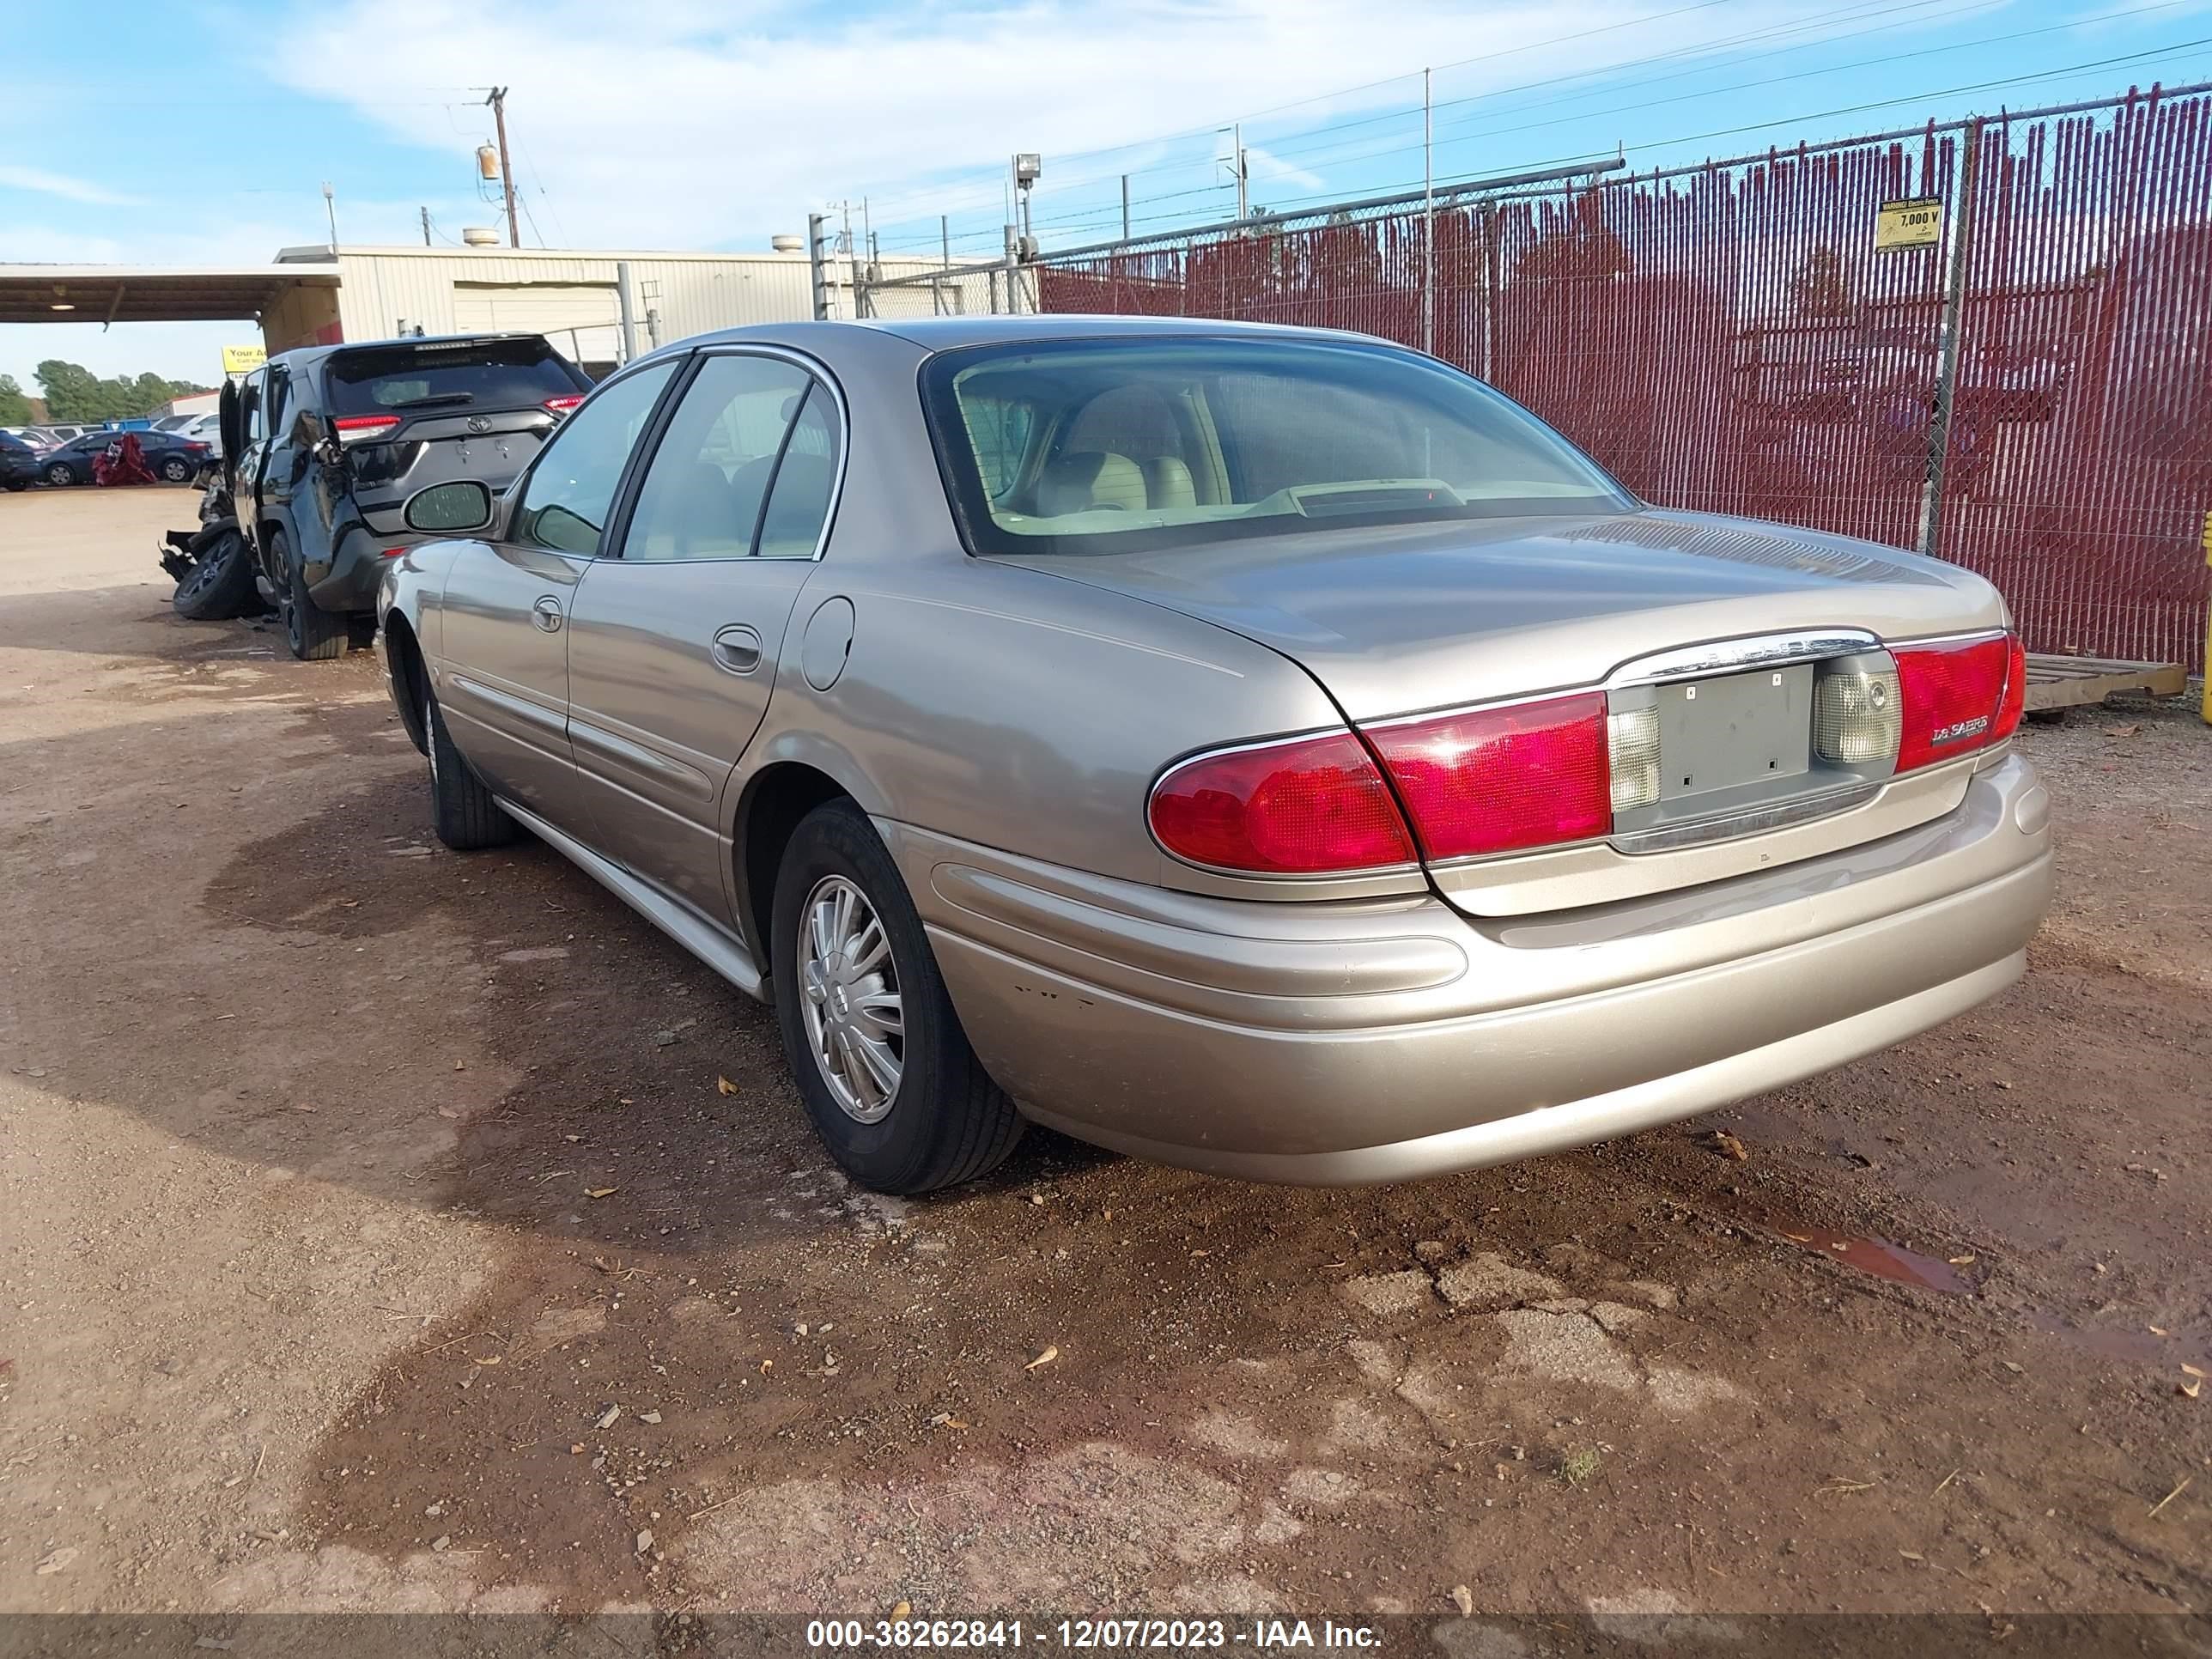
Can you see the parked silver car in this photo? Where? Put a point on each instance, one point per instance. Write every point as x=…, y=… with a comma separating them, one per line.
x=1261, y=750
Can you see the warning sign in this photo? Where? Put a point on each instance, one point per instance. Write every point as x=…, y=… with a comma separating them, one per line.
x=1916, y=222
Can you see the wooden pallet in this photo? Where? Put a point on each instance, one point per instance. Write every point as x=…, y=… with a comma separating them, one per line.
x=2070, y=682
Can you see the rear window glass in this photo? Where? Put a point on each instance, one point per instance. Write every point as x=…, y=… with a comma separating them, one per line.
x=480, y=375
x=1138, y=444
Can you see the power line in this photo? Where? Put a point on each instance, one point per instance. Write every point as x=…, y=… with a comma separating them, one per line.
x=1093, y=215
x=938, y=200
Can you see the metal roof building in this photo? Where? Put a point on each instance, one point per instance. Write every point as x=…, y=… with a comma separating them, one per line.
x=580, y=300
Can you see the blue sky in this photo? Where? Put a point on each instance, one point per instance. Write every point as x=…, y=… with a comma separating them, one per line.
x=689, y=124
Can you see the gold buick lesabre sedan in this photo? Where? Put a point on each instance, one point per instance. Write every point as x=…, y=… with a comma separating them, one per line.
x=1263, y=749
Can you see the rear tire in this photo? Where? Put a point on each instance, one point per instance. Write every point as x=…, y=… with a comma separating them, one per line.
x=59, y=474
x=942, y=1121
x=219, y=585
x=314, y=634
x=462, y=810
x=177, y=470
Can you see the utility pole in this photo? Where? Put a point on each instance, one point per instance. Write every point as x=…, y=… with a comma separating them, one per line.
x=330, y=207
x=426, y=227
x=1428, y=220
x=1125, y=207
x=1237, y=145
x=498, y=102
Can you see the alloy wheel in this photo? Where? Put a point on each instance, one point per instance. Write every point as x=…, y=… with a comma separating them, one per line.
x=856, y=1022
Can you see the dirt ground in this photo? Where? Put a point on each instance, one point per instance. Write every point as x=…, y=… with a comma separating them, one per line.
x=386, y=1228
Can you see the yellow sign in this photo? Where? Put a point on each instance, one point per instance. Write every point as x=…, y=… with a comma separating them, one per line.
x=243, y=360
x=1915, y=223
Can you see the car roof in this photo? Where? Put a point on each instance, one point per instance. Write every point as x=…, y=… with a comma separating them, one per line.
x=952, y=333
x=305, y=356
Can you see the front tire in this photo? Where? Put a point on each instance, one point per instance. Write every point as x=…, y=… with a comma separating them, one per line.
x=889, y=1082
x=59, y=474
x=314, y=634
x=462, y=810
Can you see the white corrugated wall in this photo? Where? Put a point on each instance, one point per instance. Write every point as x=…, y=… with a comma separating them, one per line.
x=672, y=296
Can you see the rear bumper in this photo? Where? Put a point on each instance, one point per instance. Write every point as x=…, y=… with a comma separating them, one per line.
x=349, y=582
x=1386, y=1039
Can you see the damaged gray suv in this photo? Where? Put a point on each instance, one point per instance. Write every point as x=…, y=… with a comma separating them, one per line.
x=331, y=441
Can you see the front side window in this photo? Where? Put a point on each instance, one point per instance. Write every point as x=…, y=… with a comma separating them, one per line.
x=1112, y=445
x=567, y=495
x=744, y=468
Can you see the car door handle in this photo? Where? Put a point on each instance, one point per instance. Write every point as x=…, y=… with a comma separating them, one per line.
x=736, y=649
x=546, y=614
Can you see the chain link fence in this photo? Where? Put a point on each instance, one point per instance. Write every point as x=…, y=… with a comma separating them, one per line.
x=1991, y=341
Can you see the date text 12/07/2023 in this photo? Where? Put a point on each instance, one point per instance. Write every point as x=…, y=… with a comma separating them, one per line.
x=1172, y=1634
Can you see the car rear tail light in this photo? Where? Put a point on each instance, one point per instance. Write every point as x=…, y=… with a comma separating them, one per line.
x=1494, y=779
x=1299, y=807
x=1632, y=746
x=358, y=429
x=2016, y=692
x=1956, y=696
x=563, y=406
x=1857, y=715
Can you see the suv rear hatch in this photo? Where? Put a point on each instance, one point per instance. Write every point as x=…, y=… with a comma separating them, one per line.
x=1569, y=711
x=412, y=413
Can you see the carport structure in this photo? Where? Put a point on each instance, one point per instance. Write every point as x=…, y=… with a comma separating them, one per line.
x=295, y=303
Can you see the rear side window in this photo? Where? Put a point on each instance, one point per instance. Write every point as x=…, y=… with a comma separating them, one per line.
x=473, y=375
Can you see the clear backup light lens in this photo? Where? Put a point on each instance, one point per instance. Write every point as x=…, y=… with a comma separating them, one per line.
x=1857, y=717
x=1632, y=746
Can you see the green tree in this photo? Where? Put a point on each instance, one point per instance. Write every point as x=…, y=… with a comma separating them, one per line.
x=75, y=393
x=15, y=407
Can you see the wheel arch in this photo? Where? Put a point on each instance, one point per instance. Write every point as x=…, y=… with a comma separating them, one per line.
x=409, y=674
x=795, y=780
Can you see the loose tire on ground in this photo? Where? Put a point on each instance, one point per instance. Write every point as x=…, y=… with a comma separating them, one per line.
x=219, y=585
x=947, y=1120
x=462, y=809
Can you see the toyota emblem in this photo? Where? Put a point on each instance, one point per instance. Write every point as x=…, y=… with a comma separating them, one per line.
x=479, y=424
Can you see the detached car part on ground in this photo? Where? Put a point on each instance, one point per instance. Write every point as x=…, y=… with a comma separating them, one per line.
x=212, y=563
x=1261, y=750
x=330, y=441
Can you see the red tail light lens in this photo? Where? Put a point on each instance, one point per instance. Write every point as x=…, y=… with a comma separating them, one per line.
x=1299, y=807
x=1527, y=774
x=354, y=428
x=563, y=406
x=2016, y=692
x=1956, y=698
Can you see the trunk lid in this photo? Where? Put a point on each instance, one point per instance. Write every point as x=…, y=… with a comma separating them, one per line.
x=1395, y=620
x=1400, y=620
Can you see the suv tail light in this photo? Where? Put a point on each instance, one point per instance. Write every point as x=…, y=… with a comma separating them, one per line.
x=1957, y=697
x=1299, y=807
x=563, y=406
x=358, y=429
x=1494, y=779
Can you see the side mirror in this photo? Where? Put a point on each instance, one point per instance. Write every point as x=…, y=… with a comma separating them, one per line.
x=455, y=508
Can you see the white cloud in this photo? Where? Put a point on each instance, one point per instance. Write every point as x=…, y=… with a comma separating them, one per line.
x=673, y=125
x=40, y=182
